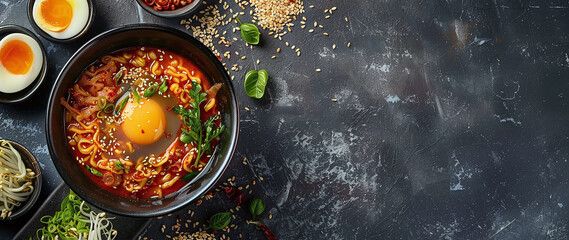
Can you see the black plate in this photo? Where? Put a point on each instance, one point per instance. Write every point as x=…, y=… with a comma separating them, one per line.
x=127, y=228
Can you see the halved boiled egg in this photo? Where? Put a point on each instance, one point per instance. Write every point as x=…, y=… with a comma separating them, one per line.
x=20, y=62
x=61, y=19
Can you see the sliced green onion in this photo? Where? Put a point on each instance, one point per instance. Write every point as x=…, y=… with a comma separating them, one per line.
x=119, y=166
x=150, y=91
x=109, y=108
x=118, y=76
x=94, y=171
x=164, y=87
x=120, y=106
x=102, y=102
x=136, y=96
x=99, y=115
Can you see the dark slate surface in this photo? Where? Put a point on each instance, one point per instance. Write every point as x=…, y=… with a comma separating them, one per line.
x=451, y=121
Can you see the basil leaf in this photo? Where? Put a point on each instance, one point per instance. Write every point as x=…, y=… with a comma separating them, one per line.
x=119, y=166
x=94, y=171
x=150, y=91
x=220, y=220
x=249, y=33
x=188, y=177
x=164, y=87
x=256, y=207
x=255, y=83
x=136, y=96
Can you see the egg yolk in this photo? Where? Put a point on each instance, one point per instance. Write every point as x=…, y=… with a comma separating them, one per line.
x=17, y=57
x=55, y=15
x=144, y=122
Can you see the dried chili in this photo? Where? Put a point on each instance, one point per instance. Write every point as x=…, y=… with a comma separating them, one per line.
x=268, y=233
x=235, y=195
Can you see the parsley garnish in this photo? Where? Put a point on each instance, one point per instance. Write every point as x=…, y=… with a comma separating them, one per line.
x=199, y=133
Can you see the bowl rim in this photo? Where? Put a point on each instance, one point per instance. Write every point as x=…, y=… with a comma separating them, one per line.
x=59, y=40
x=234, y=120
x=185, y=10
x=27, y=92
x=37, y=183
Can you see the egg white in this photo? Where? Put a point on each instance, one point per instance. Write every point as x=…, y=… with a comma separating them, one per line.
x=11, y=83
x=78, y=21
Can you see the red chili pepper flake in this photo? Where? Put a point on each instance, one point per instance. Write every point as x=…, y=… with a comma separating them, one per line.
x=169, y=109
x=142, y=131
x=268, y=233
x=167, y=135
x=235, y=195
x=218, y=57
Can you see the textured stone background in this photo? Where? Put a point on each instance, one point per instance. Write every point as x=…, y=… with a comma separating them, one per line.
x=451, y=121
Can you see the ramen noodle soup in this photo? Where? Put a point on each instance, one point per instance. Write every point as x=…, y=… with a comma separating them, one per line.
x=128, y=122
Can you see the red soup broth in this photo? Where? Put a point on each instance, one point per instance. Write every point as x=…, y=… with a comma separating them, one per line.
x=123, y=150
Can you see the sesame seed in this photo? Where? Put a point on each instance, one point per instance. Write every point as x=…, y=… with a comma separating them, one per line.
x=349, y=43
x=318, y=69
x=334, y=46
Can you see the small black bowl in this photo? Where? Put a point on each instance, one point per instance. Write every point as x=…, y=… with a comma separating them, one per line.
x=53, y=39
x=183, y=11
x=131, y=36
x=28, y=91
x=32, y=163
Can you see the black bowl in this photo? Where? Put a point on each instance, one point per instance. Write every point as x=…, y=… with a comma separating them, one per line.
x=28, y=91
x=120, y=38
x=183, y=11
x=32, y=163
x=53, y=39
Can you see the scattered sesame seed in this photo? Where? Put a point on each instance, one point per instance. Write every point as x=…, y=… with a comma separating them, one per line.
x=318, y=69
x=278, y=50
x=334, y=100
x=346, y=18
x=273, y=57
x=349, y=43
x=334, y=46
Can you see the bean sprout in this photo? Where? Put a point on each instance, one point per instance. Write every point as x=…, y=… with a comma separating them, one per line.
x=15, y=179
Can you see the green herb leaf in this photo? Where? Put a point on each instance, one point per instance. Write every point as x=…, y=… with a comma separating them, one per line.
x=179, y=110
x=150, y=91
x=118, y=76
x=120, y=106
x=255, y=83
x=185, y=138
x=119, y=166
x=220, y=220
x=201, y=134
x=188, y=177
x=164, y=86
x=249, y=33
x=94, y=171
x=136, y=96
x=256, y=207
